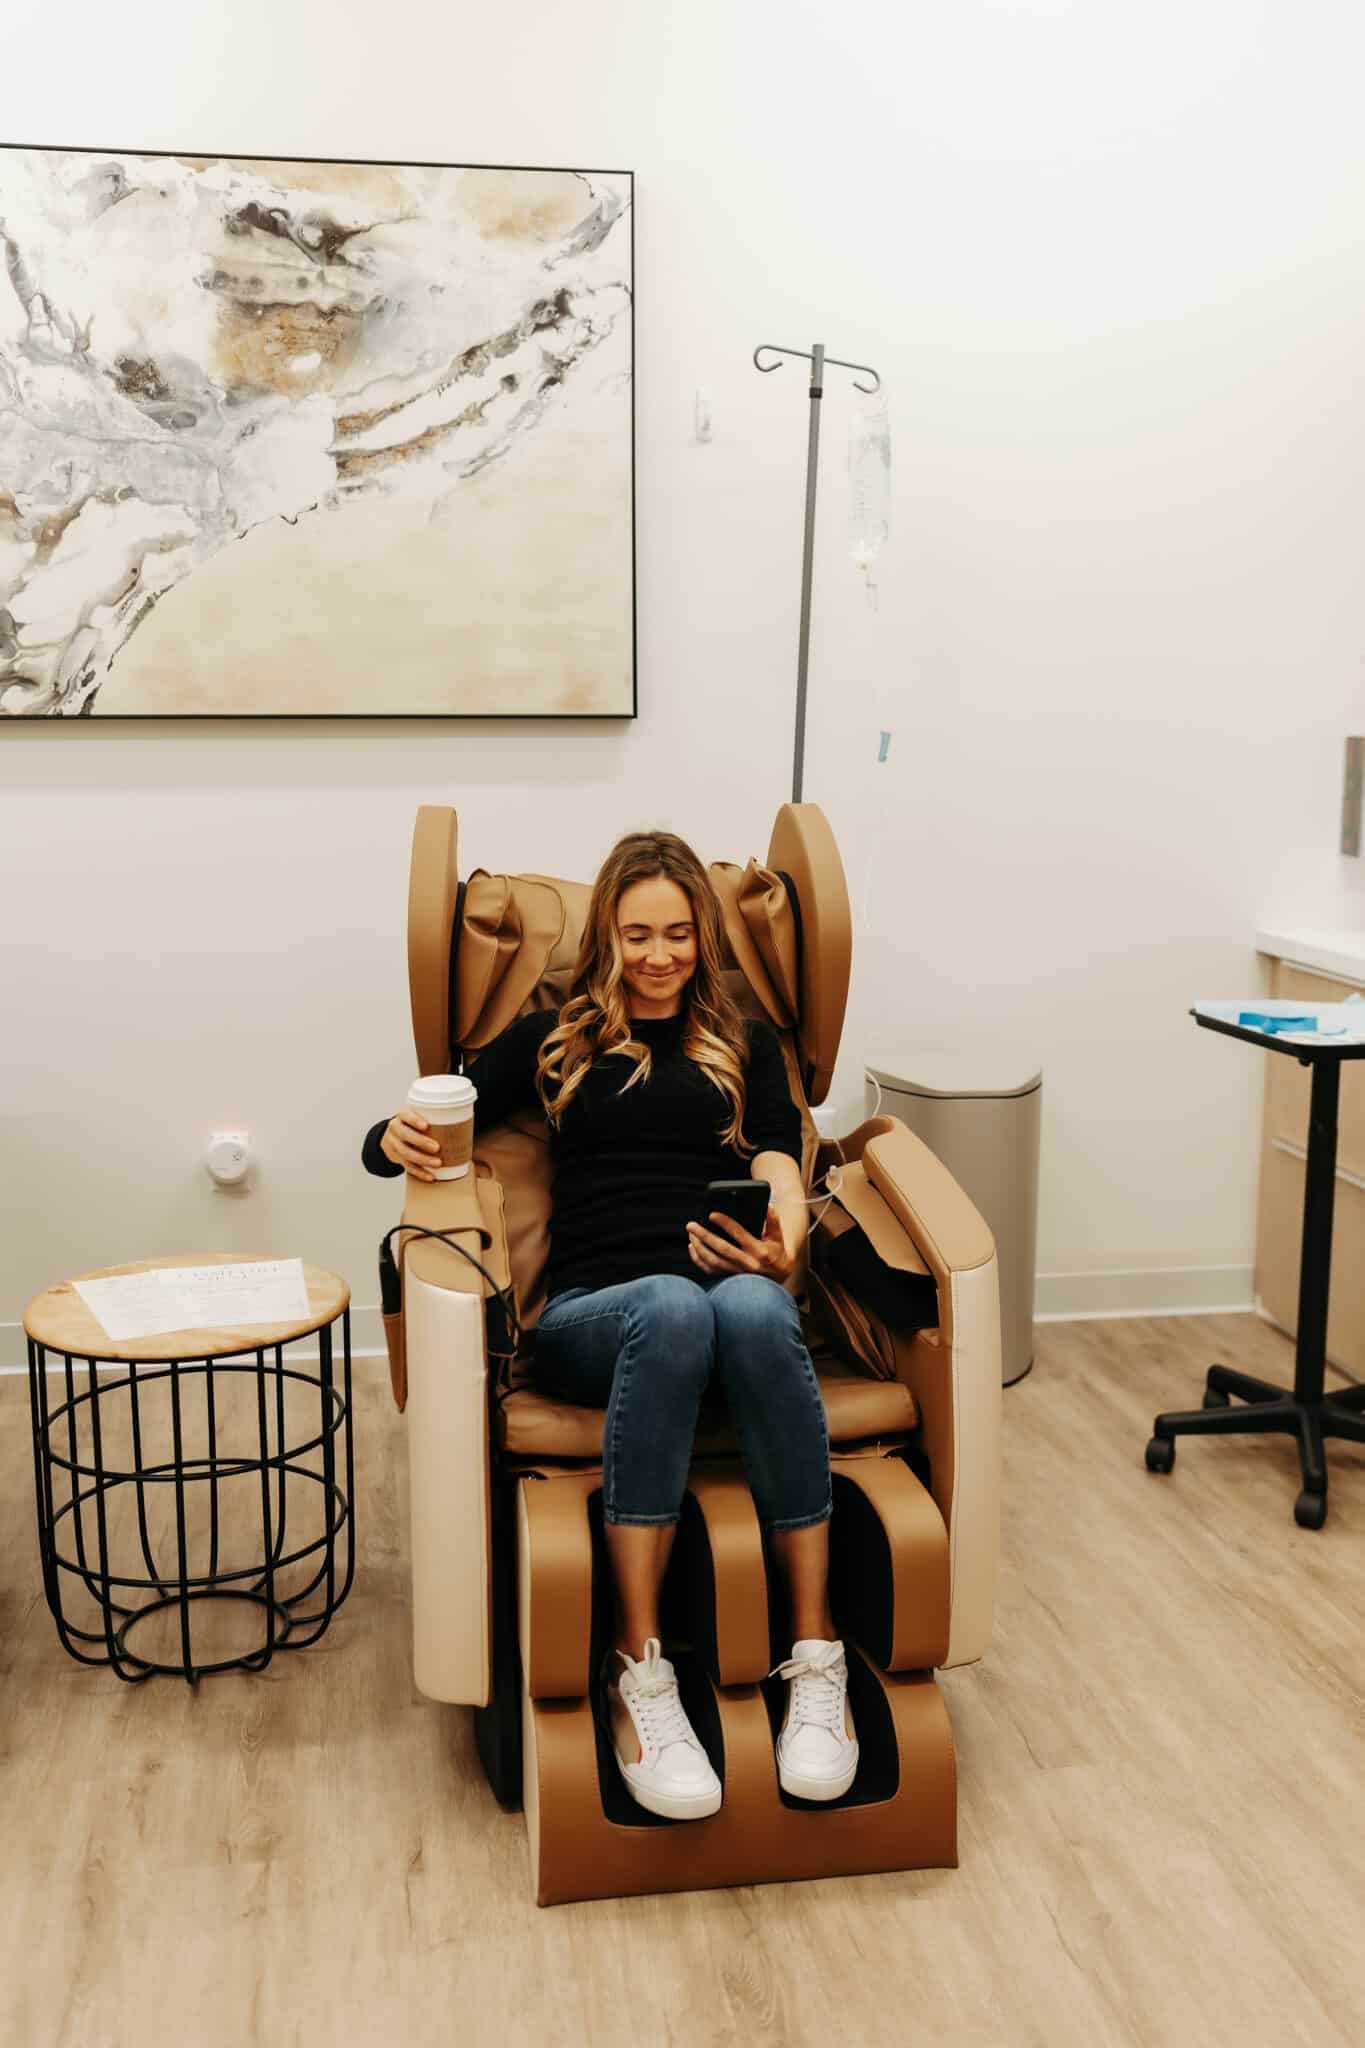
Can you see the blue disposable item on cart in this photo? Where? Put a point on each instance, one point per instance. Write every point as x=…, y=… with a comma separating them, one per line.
x=1256, y=1020
x=1295, y=1021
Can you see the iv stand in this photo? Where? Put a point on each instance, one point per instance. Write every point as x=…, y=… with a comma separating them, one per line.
x=817, y=360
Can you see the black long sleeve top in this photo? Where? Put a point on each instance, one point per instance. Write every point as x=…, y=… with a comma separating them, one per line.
x=630, y=1170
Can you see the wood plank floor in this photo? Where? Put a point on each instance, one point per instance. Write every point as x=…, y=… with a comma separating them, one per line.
x=1162, y=1816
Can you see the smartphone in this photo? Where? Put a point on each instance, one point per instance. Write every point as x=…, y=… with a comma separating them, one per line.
x=745, y=1200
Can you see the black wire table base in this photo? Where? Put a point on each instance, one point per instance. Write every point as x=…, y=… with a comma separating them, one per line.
x=138, y=1493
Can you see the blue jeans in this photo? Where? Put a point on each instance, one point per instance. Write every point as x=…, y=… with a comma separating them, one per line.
x=647, y=1349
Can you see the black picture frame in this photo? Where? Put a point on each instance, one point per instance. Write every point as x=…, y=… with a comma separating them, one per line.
x=377, y=713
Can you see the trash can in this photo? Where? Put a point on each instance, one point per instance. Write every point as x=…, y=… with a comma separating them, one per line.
x=977, y=1108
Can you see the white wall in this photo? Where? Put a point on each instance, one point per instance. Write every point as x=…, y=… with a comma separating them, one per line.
x=1108, y=260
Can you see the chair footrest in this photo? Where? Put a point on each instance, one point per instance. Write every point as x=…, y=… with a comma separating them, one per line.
x=889, y=1563
x=589, y=1840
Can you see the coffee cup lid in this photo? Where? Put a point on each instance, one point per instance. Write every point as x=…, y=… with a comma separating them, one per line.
x=442, y=1091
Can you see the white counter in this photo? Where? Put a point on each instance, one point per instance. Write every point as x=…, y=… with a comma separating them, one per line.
x=1340, y=952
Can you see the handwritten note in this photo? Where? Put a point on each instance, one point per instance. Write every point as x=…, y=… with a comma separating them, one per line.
x=167, y=1298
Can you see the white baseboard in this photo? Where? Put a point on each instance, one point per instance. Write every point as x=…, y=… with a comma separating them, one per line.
x=1154, y=1291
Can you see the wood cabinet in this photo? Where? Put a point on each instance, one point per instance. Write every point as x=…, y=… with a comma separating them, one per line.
x=1279, y=1230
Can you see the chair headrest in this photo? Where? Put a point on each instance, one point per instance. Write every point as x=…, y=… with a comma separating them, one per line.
x=516, y=948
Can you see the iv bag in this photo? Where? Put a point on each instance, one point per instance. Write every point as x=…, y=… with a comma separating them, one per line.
x=869, y=529
x=869, y=484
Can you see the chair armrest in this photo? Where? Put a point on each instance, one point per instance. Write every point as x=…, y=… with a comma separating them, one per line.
x=471, y=1209
x=953, y=1372
x=937, y=1215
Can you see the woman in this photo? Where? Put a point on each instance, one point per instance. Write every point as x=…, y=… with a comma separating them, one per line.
x=653, y=1084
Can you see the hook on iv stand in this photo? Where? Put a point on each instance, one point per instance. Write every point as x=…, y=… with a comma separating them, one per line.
x=818, y=361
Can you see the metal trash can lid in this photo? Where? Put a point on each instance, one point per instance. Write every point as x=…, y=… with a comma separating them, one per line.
x=959, y=1069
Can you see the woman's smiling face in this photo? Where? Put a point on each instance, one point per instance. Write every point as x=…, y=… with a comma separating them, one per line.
x=658, y=935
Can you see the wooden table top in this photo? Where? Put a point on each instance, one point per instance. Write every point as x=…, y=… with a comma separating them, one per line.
x=59, y=1319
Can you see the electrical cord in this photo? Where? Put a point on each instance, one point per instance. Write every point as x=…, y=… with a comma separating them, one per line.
x=830, y=1182
x=391, y=1285
x=831, y=1176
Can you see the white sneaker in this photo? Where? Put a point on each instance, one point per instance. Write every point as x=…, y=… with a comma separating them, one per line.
x=665, y=1768
x=817, y=1751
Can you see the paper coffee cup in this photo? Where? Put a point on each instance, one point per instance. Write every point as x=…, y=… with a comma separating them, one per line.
x=447, y=1102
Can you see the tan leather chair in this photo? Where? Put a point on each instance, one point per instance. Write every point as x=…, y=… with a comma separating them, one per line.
x=510, y=1590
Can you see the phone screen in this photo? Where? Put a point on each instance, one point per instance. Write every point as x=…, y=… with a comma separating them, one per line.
x=745, y=1200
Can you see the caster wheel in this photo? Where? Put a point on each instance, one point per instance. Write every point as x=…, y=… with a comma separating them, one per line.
x=1160, y=1454
x=1214, y=1397
x=1310, y=1510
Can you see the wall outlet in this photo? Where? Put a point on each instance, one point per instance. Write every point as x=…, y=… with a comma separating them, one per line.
x=228, y=1157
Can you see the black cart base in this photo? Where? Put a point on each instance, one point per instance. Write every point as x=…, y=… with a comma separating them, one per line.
x=1306, y=1412
x=1270, y=1410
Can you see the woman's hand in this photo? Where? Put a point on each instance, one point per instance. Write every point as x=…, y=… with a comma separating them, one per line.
x=405, y=1145
x=737, y=1252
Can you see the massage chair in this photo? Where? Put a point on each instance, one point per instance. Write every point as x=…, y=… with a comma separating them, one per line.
x=900, y=1301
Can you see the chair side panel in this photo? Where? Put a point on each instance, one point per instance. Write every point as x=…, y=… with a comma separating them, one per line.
x=447, y=1431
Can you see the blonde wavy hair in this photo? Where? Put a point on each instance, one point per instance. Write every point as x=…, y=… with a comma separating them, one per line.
x=596, y=1017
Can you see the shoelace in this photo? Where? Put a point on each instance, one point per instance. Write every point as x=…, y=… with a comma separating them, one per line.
x=659, y=1702
x=818, y=1688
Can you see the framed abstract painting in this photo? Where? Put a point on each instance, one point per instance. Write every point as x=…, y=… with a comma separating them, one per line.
x=314, y=439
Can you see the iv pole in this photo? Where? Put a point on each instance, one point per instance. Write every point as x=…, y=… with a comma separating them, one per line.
x=817, y=360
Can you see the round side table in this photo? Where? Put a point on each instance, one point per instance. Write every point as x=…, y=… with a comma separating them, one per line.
x=203, y=1466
